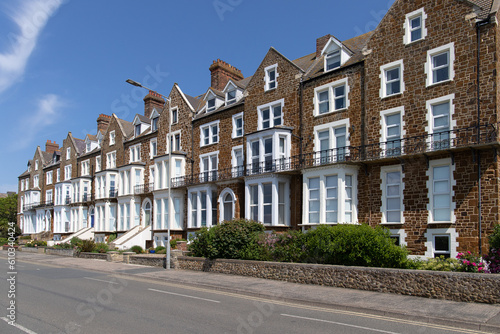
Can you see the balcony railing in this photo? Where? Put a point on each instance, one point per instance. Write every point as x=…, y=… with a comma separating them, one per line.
x=439, y=141
x=144, y=188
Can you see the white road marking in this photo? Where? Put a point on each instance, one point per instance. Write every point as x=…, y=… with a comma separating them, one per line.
x=100, y=280
x=22, y=328
x=338, y=323
x=187, y=296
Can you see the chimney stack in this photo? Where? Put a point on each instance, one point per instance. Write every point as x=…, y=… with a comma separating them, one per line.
x=103, y=122
x=51, y=147
x=320, y=44
x=151, y=101
x=221, y=72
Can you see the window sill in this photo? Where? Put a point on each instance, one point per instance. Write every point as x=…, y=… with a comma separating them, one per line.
x=207, y=145
x=393, y=95
x=385, y=223
x=441, y=223
x=414, y=42
x=270, y=89
x=316, y=114
x=439, y=83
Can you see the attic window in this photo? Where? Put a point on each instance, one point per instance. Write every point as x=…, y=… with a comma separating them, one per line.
x=333, y=60
x=137, y=130
x=211, y=105
x=154, y=125
x=88, y=147
x=270, y=77
x=231, y=97
x=175, y=117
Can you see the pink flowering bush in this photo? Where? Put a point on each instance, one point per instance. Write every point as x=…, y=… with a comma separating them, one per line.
x=493, y=260
x=470, y=263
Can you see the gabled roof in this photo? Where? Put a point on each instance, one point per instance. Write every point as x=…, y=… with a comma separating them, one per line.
x=485, y=7
x=355, y=44
x=126, y=128
x=141, y=118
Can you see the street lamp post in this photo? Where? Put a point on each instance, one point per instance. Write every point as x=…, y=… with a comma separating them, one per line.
x=137, y=84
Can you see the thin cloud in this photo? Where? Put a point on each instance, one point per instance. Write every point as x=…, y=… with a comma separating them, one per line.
x=31, y=17
x=46, y=114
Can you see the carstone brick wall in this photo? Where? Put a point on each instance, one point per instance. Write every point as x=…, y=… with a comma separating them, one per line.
x=462, y=287
x=118, y=145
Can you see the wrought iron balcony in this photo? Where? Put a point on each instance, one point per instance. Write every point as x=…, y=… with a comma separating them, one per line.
x=144, y=188
x=436, y=142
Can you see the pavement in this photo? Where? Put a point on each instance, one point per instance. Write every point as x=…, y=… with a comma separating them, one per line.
x=473, y=316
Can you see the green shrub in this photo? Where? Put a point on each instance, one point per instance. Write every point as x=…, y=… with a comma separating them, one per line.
x=101, y=247
x=4, y=241
x=494, y=238
x=286, y=247
x=137, y=249
x=25, y=237
x=86, y=246
x=112, y=237
x=65, y=245
x=202, y=243
x=436, y=264
x=353, y=245
x=236, y=239
x=36, y=243
x=159, y=249
x=75, y=242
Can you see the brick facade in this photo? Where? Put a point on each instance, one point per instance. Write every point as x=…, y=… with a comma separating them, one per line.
x=315, y=135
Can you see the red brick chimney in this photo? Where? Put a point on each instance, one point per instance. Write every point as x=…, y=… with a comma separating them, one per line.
x=221, y=72
x=320, y=44
x=51, y=147
x=151, y=101
x=103, y=122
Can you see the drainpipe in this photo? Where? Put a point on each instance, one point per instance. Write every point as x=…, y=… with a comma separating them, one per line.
x=301, y=88
x=479, y=204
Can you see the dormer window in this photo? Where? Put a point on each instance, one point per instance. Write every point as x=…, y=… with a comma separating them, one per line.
x=154, y=124
x=88, y=147
x=137, y=130
x=333, y=60
x=211, y=105
x=231, y=97
x=335, y=54
x=271, y=76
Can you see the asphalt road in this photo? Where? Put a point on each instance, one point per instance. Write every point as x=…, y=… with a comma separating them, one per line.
x=64, y=300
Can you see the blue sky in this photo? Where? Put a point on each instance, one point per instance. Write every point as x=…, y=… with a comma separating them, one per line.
x=63, y=62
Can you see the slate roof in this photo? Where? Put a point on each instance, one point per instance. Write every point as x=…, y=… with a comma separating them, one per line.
x=485, y=6
x=144, y=119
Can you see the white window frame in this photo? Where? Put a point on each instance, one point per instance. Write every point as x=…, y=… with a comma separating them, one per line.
x=112, y=137
x=330, y=87
x=68, y=153
x=36, y=164
x=214, y=107
x=176, y=110
x=111, y=157
x=48, y=178
x=233, y=100
x=85, y=168
x=211, y=168
x=207, y=190
x=407, y=25
x=330, y=55
x=267, y=81
x=272, y=117
x=260, y=137
x=98, y=165
x=171, y=140
x=430, y=243
x=210, y=133
x=36, y=180
x=151, y=153
x=383, y=127
x=450, y=48
x=383, y=78
x=341, y=172
x=154, y=123
x=383, y=187
x=430, y=189
x=58, y=176
x=67, y=172
x=135, y=153
x=222, y=195
x=401, y=233
x=274, y=180
x=235, y=117
x=429, y=117
x=233, y=155
x=51, y=193
x=331, y=128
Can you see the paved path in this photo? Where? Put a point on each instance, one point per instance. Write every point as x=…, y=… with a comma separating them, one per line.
x=484, y=317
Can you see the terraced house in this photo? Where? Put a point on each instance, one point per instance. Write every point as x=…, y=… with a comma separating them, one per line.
x=396, y=127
